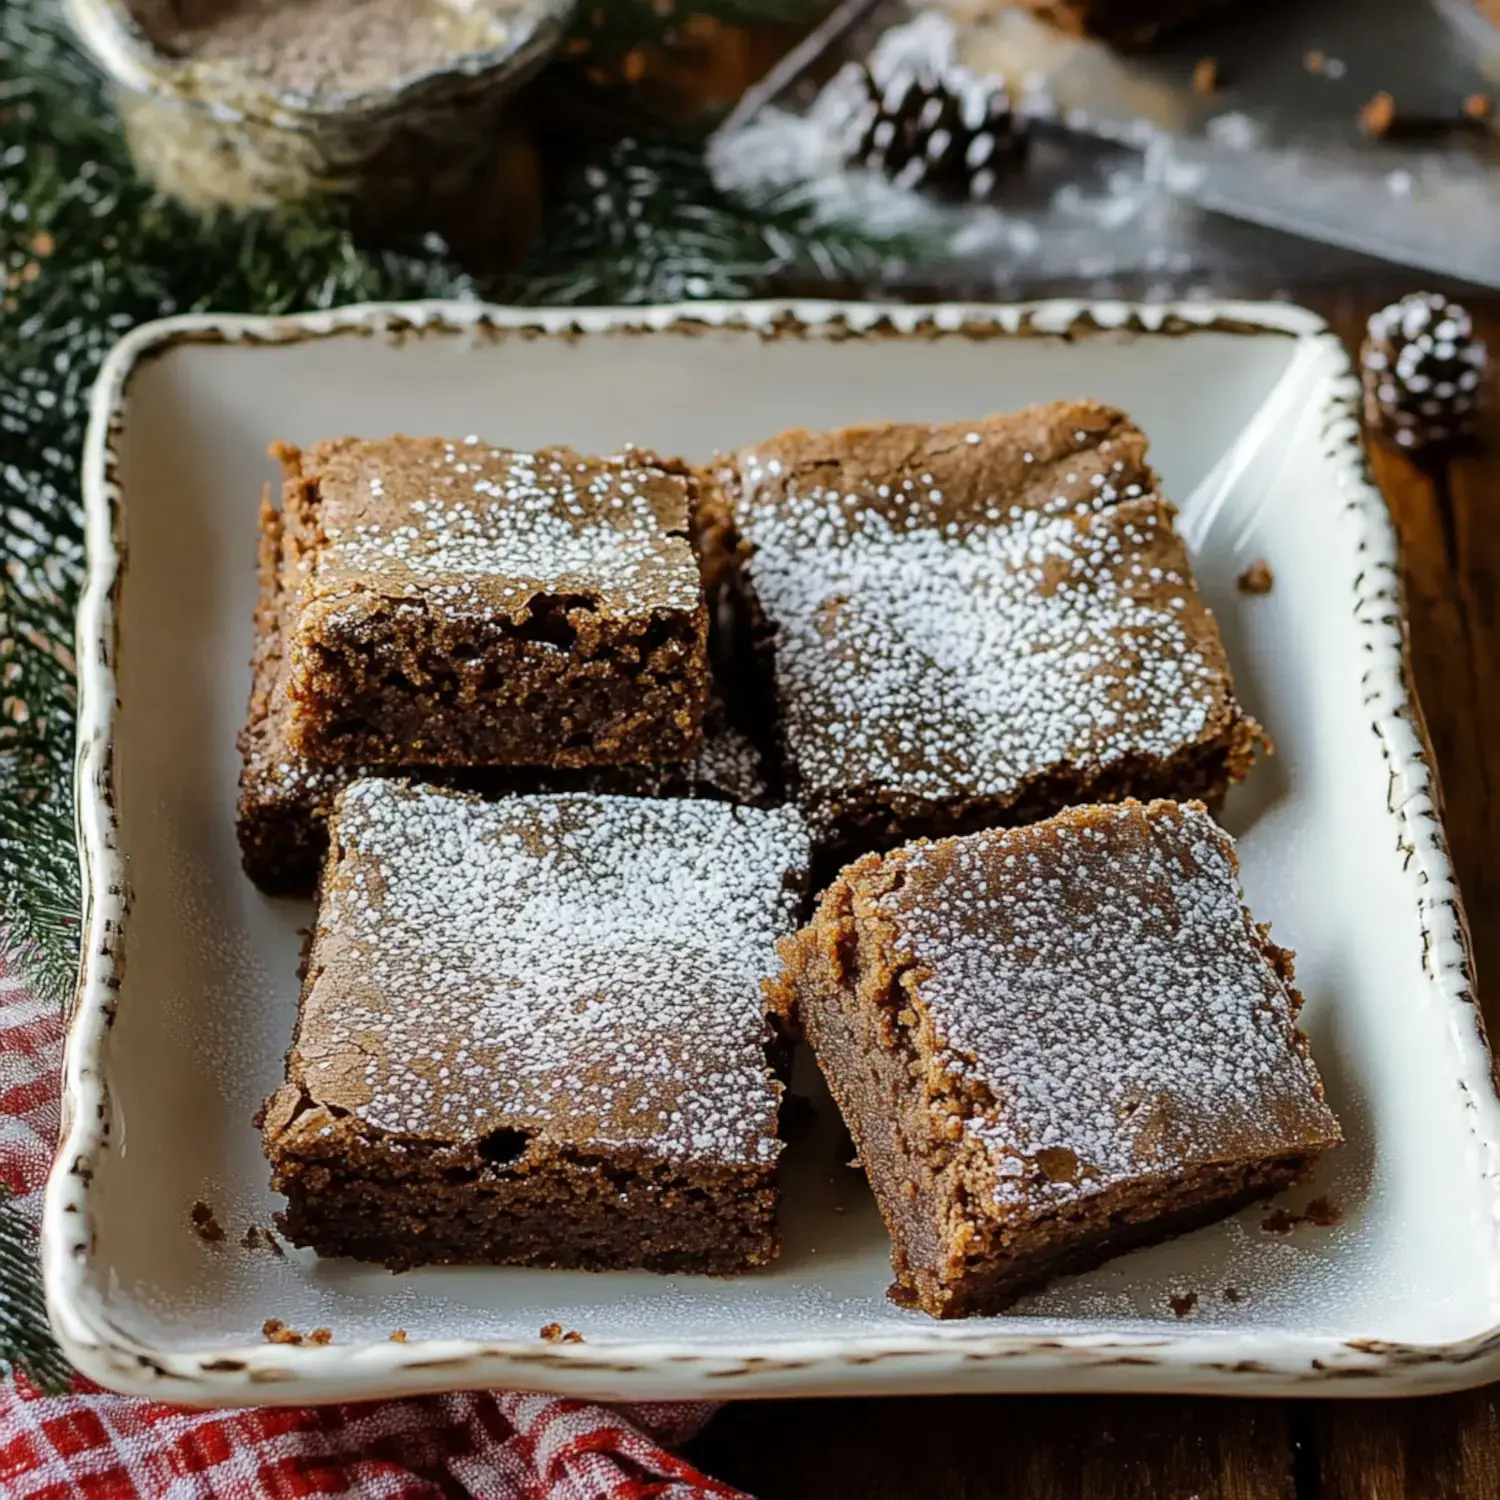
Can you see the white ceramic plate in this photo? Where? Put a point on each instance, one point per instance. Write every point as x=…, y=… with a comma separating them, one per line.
x=189, y=983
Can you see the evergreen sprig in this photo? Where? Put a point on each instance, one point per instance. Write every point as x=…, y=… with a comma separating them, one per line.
x=87, y=251
x=646, y=223
x=26, y=1342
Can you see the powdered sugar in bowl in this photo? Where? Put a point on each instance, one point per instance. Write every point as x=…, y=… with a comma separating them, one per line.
x=247, y=103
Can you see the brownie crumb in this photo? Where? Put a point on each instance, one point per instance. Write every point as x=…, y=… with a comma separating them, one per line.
x=1234, y=1294
x=1257, y=578
x=555, y=1334
x=276, y=1332
x=397, y=1336
x=320, y=1336
x=256, y=1238
x=1320, y=1213
x=1183, y=1303
x=1315, y=62
x=1206, y=75
x=205, y=1225
x=1378, y=116
x=1479, y=107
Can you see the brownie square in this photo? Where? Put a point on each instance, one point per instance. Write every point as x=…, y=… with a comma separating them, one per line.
x=1055, y=1042
x=533, y=1032
x=285, y=798
x=457, y=604
x=976, y=623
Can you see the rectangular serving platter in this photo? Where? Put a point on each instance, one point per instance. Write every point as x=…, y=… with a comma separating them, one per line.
x=188, y=985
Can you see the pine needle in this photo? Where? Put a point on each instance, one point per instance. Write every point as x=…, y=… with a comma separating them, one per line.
x=86, y=252
x=646, y=223
x=26, y=1342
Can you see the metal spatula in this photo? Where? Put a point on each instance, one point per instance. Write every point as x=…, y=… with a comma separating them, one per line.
x=1278, y=139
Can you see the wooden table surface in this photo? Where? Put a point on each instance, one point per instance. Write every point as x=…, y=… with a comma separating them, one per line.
x=1160, y=1448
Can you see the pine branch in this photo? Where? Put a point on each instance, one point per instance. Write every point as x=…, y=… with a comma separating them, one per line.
x=26, y=1342
x=86, y=252
x=646, y=223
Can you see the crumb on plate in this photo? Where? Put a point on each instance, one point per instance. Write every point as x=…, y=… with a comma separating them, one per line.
x=1257, y=578
x=205, y=1225
x=1378, y=116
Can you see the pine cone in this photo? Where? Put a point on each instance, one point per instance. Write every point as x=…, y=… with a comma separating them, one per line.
x=947, y=131
x=1422, y=366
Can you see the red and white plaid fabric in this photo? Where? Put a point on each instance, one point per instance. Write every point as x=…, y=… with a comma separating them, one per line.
x=492, y=1446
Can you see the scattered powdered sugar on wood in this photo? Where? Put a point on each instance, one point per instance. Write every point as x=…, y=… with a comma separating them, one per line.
x=582, y=968
x=467, y=524
x=936, y=654
x=1096, y=984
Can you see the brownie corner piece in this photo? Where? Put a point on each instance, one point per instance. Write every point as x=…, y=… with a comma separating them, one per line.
x=1055, y=1043
x=971, y=624
x=451, y=603
x=285, y=797
x=533, y=1032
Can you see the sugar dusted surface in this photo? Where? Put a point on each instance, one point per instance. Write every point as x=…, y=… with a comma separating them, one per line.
x=471, y=525
x=938, y=649
x=587, y=968
x=1096, y=981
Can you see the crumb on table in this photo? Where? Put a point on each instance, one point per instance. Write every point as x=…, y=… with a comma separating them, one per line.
x=554, y=1333
x=1257, y=578
x=1378, y=116
x=205, y=1225
x=1206, y=75
x=276, y=1332
x=397, y=1336
x=320, y=1336
x=1235, y=1294
x=1315, y=61
x=1183, y=1303
x=1479, y=107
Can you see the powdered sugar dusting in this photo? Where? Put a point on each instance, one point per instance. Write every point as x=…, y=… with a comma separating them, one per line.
x=469, y=524
x=584, y=968
x=1097, y=980
x=928, y=650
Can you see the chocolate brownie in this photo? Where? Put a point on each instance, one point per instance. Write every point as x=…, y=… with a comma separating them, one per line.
x=285, y=798
x=1055, y=1042
x=533, y=1032
x=452, y=603
x=976, y=623
x=1126, y=23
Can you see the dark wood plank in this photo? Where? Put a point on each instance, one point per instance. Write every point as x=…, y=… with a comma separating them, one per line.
x=994, y=1448
x=1443, y=1449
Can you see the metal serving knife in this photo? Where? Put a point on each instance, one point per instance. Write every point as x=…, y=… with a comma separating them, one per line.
x=1257, y=113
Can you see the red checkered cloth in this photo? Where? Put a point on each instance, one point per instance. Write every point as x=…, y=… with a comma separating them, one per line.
x=494, y=1446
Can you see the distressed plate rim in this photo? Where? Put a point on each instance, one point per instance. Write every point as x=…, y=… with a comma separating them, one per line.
x=944, y=1357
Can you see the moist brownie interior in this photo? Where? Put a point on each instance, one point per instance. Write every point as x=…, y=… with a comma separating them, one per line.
x=533, y=1032
x=975, y=624
x=285, y=798
x=1055, y=1042
x=452, y=603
